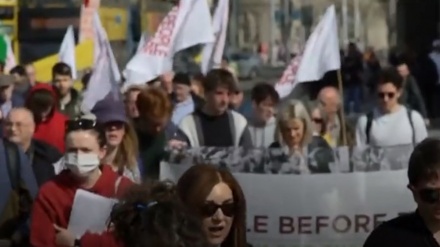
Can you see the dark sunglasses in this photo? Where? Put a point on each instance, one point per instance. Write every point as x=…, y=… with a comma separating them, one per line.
x=80, y=124
x=318, y=120
x=114, y=124
x=389, y=95
x=430, y=196
x=209, y=209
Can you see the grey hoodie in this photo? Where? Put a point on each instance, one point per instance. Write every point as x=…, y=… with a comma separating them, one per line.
x=262, y=134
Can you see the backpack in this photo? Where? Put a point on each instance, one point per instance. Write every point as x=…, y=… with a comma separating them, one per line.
x=12, y=163
x=370, y=116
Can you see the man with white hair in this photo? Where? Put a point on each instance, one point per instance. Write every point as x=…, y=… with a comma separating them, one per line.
x=19, y=129
x=330, y=99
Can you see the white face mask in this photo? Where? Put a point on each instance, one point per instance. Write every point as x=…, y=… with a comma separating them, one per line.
x=81, y=163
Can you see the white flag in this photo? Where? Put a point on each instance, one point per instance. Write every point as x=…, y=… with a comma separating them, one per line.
x=10, y=62
x=105, y=76
x=212, y=53
x=67, y=51
x=185, y=25
x=142, y=42
x=321, y=53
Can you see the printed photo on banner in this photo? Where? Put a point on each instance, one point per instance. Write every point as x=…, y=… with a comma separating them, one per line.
x=319, y=210
x=279, y=161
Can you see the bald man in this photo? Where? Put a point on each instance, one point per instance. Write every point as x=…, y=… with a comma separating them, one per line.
x=19, y=128
x=330, y=99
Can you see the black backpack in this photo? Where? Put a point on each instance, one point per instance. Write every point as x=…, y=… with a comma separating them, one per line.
x=370, y=116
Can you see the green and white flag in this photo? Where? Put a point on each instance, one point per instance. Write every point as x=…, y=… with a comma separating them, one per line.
x=6, y=53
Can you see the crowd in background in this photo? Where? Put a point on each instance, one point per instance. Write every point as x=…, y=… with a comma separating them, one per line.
x=59, y=149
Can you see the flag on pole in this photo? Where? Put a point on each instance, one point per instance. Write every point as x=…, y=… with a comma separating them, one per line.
x=105, y=76
x=6, y=53
x=186, y=25
x=212, y=53
x=67, y=51
x=321, y=54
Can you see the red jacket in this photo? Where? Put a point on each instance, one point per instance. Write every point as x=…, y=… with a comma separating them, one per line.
x=52, y=130
x=54, y=204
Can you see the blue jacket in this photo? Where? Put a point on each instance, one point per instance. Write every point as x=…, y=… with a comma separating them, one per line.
x=27, y=180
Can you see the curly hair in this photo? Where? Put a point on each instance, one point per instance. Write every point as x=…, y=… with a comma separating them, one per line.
x=151, y=214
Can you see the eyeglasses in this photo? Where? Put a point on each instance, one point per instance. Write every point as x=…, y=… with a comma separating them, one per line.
x=430, y=196
x=382, y=95
x=209, y=209
x=80, y=124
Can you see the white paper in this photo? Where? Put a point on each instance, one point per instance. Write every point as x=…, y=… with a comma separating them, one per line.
x=90, y=213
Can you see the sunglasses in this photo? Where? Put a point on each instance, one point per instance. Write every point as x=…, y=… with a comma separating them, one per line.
x=430, y=196
x=114, y=124
x=80, y=124
x=388, y=95
x=209, y=209
x=318, y=120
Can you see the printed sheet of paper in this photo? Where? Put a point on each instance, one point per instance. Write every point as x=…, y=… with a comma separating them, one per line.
x=90, y=213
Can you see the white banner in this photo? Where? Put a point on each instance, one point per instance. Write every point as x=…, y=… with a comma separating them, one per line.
x=329, y=210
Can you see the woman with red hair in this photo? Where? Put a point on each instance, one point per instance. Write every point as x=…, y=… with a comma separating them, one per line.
x=214, y=195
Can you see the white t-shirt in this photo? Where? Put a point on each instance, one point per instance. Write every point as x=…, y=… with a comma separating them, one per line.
x=391, y=129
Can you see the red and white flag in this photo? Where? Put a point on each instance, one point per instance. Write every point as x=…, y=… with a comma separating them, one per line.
x=321, y=54
x=186, y=25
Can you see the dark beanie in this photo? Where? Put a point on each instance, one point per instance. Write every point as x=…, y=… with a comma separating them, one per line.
x=110, y=109
x=182, y=78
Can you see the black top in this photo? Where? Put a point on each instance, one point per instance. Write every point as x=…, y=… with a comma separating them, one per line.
x=216, y=130
x=404, y=231
x=43, y=157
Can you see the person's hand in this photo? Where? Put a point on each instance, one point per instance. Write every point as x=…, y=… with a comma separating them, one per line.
x=64, y=237
x=176, y=144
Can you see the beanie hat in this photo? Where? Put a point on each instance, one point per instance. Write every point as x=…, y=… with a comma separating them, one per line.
x=182, y=78
x=110, y=109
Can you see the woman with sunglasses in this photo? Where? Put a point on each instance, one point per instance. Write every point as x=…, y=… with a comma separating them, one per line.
x=121, y=140
x=216, y=198
x=152, y=215
x=85, y=147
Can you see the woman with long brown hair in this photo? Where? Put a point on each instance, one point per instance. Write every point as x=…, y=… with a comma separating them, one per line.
x=214, y=195
x=122, y=144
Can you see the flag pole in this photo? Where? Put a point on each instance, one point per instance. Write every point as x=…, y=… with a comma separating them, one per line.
x=342, y=112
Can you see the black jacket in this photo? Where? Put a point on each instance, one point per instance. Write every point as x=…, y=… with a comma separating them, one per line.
x=43, y=157
x=407, y=230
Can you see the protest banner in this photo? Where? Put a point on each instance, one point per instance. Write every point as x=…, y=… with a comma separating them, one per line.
x=313, y=210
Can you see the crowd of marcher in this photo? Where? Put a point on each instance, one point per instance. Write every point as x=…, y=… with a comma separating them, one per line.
x=52, y=149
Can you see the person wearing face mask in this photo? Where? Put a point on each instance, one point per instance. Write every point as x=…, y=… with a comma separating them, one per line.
x=262, y=123
x=50, y=122
x=85, y=145
x=215, y=197
x=294, y=135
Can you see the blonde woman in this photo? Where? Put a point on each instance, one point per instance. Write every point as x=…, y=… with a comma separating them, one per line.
x=294, y=135
x=121, y=139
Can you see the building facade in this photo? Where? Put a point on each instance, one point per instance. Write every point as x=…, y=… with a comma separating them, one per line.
x=381, y=24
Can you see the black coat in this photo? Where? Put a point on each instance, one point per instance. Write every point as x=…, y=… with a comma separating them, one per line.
x=43, y=157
